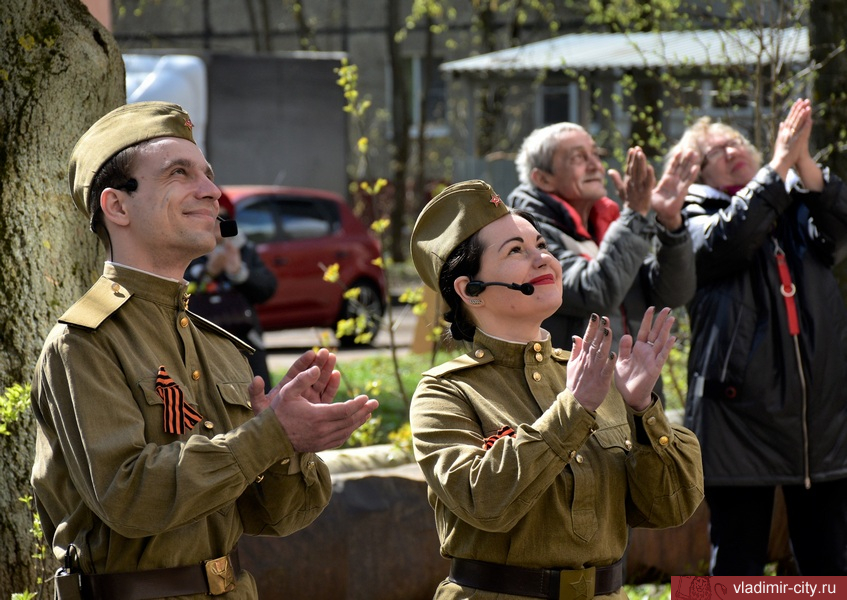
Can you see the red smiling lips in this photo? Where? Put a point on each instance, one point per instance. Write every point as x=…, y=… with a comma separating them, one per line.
x=543, y=280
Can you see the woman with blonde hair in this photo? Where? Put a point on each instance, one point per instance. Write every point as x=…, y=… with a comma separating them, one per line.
x=767, y=368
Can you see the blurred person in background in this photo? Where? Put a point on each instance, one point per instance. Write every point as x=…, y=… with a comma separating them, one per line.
x=227, y=284
x=767, y=369
x=615, y=261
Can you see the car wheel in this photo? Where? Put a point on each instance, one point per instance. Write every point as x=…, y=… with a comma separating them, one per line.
x=368, y=306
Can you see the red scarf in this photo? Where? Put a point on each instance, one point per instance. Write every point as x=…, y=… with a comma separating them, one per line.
x=604, y=212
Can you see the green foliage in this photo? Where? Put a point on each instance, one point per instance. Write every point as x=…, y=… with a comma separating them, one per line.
x=366, y=435
x=40, y=555
x=648, y=591
x=12, y=405
x=375, y=376
x=401, y=439
x=675, y=373
x=753, y=97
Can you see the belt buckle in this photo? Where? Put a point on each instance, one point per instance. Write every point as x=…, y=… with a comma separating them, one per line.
x=576, y=584
x=220, y=576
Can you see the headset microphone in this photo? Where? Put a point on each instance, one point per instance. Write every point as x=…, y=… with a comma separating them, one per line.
x=229, y=228
x=475, y=288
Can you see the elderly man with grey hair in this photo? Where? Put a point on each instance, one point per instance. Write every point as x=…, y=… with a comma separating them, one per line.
x=615, y=261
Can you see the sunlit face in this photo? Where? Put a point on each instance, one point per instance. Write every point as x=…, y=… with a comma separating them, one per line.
x=173, y=214
x=727, y=162
x=515, y=252
x=578, y=173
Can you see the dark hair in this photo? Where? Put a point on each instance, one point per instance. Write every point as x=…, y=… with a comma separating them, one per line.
x=465, y=260
x=115, y=173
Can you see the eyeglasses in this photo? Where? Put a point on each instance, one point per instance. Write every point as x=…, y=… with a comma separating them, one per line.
x=719, y=151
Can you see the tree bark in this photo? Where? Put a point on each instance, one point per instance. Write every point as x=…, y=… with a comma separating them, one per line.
x=826, y=33
x=60, y=70
x=400, y=121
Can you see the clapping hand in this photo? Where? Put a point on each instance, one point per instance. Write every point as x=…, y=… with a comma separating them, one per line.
x=591, y=365
x=791, y=148
x=669, y=193
x=635, y=188
x=303, y=403
x=640, y=362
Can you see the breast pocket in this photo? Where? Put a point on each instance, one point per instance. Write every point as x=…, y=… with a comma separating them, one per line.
x=236, y=401
x=162, y=411
x=614, y=438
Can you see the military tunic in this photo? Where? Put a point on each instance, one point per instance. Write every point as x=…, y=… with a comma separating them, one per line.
x=561, y=489
x=109, y=478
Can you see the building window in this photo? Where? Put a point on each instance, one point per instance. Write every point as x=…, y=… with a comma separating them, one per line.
x=558, y=103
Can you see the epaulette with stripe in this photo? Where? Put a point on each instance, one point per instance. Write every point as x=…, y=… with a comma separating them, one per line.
x=96, y=305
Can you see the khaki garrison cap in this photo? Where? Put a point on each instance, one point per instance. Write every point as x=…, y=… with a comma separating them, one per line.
x=125, y=126
x=449, y=219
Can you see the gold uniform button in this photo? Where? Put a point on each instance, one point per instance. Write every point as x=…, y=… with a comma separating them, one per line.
x=285, y=461
x=557, y=351
x=628, y=445
x=195, y=375
x=539, y=357
x=311, y=465
x=579, y=458
x=536, y=376
x=663, y=441
x=479, y=353
x=208, y=425
x=572, y=454
x=183, y=322
x=260, y=478
x=116, y=287
x=537, y=347
x=651, y=420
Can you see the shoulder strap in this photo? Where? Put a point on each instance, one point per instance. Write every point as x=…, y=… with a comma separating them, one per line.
x=96, y=305
x=459, y=363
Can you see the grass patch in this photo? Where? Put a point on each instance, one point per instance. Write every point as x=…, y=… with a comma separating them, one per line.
x=648, y=591
x=375, y=377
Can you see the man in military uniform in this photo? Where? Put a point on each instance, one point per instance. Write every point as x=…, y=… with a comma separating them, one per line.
x=156, y=448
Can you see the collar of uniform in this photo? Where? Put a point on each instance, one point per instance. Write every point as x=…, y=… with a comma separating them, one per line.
x=161, y=290
x=512, y=354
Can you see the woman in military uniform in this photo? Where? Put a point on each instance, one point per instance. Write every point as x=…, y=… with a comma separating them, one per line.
x=536, y=463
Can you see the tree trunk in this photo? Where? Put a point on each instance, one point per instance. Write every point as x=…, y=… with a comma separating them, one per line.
x=60, y=71
x=400, y=141
x=826, y=33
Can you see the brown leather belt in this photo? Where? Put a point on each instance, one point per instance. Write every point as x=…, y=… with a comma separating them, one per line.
x=212, y=577
x=552, y=584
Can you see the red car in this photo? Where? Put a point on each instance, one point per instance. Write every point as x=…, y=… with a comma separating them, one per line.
x=300, y=232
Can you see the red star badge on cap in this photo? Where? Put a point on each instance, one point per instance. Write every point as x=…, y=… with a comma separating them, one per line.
x=495, y=200
x=189, y=124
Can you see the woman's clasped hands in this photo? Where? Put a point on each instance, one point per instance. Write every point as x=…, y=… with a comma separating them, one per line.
x=636, y=367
